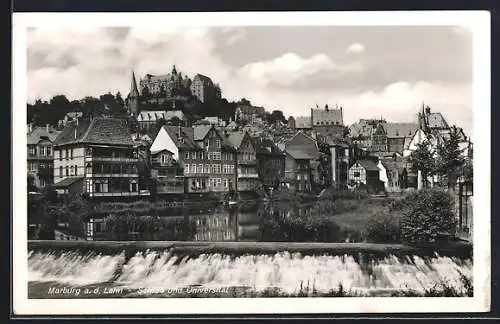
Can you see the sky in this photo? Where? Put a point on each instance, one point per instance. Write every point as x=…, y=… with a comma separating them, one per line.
x=371, y=71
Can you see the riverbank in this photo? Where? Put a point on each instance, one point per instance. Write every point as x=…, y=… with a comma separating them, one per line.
x=194, y=248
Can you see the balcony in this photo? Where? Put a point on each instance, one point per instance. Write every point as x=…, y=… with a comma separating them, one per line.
x=248, y=176
x=247, y=162
x=112, y=175
x=110, y=159
x=113, y=194
x=170, y=190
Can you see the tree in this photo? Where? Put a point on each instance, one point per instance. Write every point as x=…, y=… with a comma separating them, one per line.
x=450, y=160
x=422, y=159
x=276, y=115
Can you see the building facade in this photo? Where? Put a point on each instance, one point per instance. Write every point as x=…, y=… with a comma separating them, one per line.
x=327, y=121
x=270, y=162
x=167, y=173
x=365, y=172
x=204, y=89
x=301, y=154
x=96, y=157
x=247, y=175
x=170, y=85
x=208, y=160
x=40, y=155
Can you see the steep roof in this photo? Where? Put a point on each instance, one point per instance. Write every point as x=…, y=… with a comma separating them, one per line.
x=186, y=133
x=236, y=138
x=302, y=122
x=133, y=87
x=266, y=146
x=400, y=129
x=330, y=116
x=200, y=131
x=436, y=120
x=151, y=115
x=368, y=165
x=39, y=133
x=100, y=130
x=301, y=155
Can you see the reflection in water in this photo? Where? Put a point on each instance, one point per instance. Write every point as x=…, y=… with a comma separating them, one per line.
x=267, y=222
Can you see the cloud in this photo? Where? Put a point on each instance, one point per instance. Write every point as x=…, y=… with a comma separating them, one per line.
x=356, y=48
x=81, y=62
x=234, y=34
x=290, y=68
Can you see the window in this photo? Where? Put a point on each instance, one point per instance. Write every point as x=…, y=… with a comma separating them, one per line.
x=186, y=168
x=207, y=143
x=200, y=168
x=72, y=170
x=60, y=171
x=32, y=150
x=200, y=154
x=298, y=176
x=31, y=166
x=67, y=154
x=42, y=182
x=76, y=170
x=207, y=168
x=209, y=155
x=97, y=186
x=193, y=155
x=356, y=174
x=163, y=159
x=186, y=156
x=133, y=187
x=67, y=171
x=217, y=156
x=217, y=142
x=71, y=153
x=49, y=151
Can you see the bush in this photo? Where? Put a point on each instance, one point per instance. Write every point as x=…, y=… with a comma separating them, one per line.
x=383, y=227
x=426, y=216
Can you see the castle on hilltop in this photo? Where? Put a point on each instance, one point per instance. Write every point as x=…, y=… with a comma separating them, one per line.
x=170, y=87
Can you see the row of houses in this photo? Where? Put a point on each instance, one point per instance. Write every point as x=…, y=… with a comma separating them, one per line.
x=101, y=156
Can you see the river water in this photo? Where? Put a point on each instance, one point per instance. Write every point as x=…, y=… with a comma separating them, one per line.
x=71, y=274
x=165, y=274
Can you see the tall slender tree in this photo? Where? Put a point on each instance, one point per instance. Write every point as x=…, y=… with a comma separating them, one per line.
x=422, y=159
x=450, y=160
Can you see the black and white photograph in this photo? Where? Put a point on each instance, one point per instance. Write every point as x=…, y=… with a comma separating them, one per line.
x=177, y=163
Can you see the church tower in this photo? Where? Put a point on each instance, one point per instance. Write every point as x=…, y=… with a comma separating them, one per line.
x=133, y=98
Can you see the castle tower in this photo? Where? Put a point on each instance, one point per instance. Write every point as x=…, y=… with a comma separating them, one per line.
x=133, y=98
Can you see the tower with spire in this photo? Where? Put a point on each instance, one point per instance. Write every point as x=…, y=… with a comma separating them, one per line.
x=133, y=98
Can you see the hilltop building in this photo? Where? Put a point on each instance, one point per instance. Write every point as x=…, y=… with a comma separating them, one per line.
x=204, y=89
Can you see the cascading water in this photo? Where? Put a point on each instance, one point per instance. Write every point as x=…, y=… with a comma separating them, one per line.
x=289, y=273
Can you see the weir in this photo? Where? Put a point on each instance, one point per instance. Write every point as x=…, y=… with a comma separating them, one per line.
x=243, y=269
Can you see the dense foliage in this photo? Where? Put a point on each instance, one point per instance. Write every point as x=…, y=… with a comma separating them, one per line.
x=426, y=216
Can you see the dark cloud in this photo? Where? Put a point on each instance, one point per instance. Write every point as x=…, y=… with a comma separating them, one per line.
x=117, y=33
x=38, y=59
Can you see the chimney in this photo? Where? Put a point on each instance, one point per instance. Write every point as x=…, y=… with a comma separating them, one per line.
x=76, y=121
x=75, y=133
x=47, y=127
x=326, y=107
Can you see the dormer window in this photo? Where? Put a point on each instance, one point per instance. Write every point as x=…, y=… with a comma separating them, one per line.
x=218, y=143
